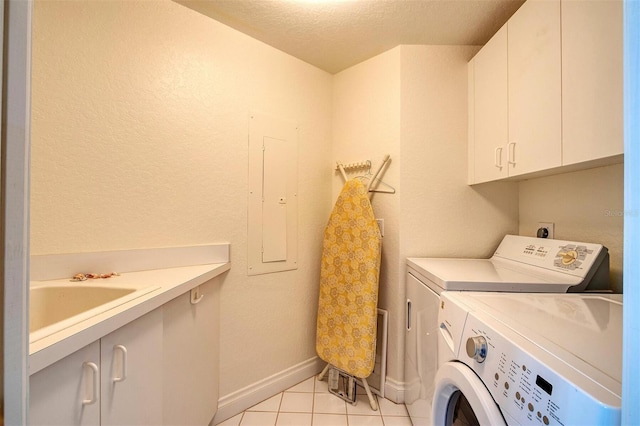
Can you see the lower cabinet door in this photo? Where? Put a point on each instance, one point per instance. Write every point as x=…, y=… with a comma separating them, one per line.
x=131, y=384
x=191, y=357
x=67, y=392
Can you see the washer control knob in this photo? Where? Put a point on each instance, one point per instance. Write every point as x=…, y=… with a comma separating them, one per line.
x=568, y=257
x=477, y=348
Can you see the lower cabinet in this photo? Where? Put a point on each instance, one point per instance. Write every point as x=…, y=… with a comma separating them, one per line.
x=192, y=396
x=114, y=381
x=159, y=369
x=131, y=373
x=67, y=392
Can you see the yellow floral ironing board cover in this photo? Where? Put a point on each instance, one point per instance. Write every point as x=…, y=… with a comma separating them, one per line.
x=348, y=300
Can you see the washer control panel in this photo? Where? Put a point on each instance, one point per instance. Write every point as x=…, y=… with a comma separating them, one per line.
x=528, y=388
x=573, y=258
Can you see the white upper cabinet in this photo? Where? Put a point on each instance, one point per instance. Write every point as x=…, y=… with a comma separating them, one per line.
x=489, y=104
x=592, y=123
x=534, y=76
x=546, y=91
x=515, y=98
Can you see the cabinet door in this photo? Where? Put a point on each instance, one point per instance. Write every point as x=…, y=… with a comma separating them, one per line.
x=592, y=100
x=191, y=357
x=132, y=373
x=490, y=109
x=56, y=393
x=534, y=87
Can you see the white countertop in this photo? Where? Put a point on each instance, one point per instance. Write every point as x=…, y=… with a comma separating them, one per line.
x=171, y=283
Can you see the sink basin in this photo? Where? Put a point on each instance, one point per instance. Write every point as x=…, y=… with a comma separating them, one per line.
x=54, y=308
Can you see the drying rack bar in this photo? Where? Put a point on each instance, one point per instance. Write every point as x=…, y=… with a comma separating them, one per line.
x=367, y=165
x=353, y=166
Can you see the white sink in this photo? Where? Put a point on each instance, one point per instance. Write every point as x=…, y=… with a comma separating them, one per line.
x=55, y=307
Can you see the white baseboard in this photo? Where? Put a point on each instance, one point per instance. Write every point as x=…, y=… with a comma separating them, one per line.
x=240, y=400
x=394, y=390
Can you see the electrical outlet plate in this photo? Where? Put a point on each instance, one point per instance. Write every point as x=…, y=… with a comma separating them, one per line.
x=549, y=226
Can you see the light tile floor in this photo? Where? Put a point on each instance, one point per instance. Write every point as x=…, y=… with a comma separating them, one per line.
x=310, y=403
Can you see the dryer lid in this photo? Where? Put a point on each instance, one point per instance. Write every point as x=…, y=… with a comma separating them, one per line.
x=490, y=275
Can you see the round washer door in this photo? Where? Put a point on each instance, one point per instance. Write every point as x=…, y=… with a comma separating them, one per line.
x=460, y=397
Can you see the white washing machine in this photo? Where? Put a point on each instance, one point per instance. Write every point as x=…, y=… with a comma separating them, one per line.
x=519, y=264
x=529, y=359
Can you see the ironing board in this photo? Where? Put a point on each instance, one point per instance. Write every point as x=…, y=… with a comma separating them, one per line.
x=348, y=299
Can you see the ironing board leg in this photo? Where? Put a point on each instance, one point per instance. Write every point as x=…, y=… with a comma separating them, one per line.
x=321, y=375
x=372, y=400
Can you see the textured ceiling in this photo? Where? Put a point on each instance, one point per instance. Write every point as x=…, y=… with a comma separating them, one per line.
x=336, y=34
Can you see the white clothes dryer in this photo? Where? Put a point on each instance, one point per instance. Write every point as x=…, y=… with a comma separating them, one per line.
x=519, y=264
x=529, y=359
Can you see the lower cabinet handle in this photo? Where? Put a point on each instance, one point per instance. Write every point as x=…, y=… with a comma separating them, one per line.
x=94, y=387
x=123, y=371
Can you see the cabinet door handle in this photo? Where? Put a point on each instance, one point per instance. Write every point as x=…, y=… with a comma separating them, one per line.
x=123, y=369
x=94, y=385
x=512, y=153
x=497, y=157
x=196, y=296
x=408, y=314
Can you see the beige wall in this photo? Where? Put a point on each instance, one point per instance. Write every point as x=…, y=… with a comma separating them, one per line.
x=411, y=102
x=441, y=216
x=140, y=139
x=366, y=126
x=584, y=206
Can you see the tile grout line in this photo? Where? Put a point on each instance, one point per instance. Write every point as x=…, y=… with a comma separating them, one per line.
x=279, y=407
x=313, y=398
x=315, y=391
